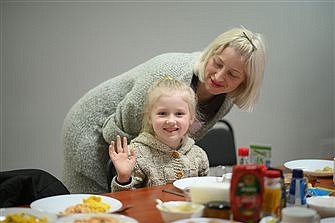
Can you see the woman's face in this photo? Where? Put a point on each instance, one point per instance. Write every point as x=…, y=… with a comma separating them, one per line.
x=224, y=72
x=171, y=119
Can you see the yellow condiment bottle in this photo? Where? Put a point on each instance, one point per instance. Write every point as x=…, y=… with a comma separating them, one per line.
x=272, y=194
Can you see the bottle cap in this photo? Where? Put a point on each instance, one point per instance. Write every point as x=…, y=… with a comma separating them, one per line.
x=272, y=174
x=297, y=173
x=243, y=151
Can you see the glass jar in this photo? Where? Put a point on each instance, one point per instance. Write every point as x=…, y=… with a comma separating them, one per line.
x=217, y=209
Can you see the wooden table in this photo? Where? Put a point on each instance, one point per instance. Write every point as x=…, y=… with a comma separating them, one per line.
x=144, y=203
x=143, y=200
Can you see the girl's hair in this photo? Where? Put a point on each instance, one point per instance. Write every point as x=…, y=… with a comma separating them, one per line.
x=252, y=48
x=165, y=87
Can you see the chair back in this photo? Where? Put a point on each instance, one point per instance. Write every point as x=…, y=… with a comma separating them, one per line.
x=219, y=143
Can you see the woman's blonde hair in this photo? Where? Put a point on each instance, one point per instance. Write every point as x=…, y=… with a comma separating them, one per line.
x=252, y=48
x=164, y=87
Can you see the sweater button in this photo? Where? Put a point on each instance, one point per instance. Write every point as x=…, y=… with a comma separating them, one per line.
x=179, y=174
x=175, y=155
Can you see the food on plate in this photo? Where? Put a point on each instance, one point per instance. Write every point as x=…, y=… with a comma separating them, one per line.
x=326, y=169
x=23, y=218
x=98, y=219
x=91, y=204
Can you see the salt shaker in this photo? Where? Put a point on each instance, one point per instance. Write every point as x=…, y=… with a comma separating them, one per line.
x=297, y=191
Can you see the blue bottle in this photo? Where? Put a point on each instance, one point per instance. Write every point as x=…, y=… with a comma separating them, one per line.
x=297, y=191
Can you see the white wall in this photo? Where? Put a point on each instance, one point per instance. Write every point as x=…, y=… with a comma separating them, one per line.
x=53, y=52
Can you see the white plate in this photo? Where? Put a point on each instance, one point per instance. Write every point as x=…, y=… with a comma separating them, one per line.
x=203, y=220
x=184, y=183
x=309, y=166
x=72, y=218
x=58, y=204
x=7, y=211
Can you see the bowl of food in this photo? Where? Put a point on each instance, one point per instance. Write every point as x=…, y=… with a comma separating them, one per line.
x=175, y=210
x=324, y=205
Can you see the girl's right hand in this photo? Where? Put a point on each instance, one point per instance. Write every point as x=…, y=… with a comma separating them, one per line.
x=123, y=159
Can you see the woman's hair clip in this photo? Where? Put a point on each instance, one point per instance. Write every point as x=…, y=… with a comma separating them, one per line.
x=253, y=46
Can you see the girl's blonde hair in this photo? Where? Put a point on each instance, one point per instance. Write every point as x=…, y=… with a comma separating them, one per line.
x=252, y=48
x=165, y=87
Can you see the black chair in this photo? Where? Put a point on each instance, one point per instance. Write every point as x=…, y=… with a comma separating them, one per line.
x=23, y=186
x=219, y=143
x=111, y=172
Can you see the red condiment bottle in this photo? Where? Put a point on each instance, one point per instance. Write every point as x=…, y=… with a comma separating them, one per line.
x=246, y=192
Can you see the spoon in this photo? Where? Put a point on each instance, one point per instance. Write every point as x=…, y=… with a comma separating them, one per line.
x=161, y=203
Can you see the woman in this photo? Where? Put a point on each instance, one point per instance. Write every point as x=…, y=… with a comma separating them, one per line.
x=229, y=71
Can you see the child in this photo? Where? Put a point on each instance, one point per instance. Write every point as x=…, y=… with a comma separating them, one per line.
x=164, y=152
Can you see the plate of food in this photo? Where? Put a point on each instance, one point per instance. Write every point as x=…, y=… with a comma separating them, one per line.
x=77, y=203
x=19, y=215
x=185, y=183
x=312, y=167
x=93, y=218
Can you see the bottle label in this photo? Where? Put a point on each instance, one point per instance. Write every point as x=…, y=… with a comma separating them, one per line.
x=297, y=192
x=272, y=201
x=247, y=195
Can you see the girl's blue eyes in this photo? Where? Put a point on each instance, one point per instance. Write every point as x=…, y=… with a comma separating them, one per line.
x=165, y=113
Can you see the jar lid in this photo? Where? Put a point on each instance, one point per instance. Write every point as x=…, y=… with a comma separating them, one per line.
x=222, y=205
x=299, y=214
x=272, y=174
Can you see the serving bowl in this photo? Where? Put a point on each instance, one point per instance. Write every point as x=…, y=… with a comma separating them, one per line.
x=175, y=210
x=324, y=205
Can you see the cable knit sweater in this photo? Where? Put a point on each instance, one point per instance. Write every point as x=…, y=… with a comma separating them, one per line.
x=157, y=164
x=115, y=107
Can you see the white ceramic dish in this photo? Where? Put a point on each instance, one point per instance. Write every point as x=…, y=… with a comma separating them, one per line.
x=310, y=166
x=175, y=210
x=185, y=183
x=7, y=211
x=203, y=220
x=72, y=218
x=324, y=205
x=57, y=204
x=327, y=220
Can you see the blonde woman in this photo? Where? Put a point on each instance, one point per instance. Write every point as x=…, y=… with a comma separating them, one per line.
x=163, y=151
x=229, y=71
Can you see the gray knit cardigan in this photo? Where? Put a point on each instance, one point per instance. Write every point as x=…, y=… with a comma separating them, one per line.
x=157, y=164
x=115, y=107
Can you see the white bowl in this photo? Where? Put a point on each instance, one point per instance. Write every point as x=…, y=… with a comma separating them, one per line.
x=175, y=210
x=324, y=205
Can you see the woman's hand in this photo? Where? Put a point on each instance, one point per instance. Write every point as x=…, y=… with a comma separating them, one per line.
x=123, y=159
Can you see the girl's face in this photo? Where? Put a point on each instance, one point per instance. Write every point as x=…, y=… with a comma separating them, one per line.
x=171, y=119
x=224, y=72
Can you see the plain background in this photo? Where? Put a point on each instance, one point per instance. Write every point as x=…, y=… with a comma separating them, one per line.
x=52, y=52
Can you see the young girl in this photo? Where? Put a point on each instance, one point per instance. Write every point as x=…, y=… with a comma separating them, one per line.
x=163, y=152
